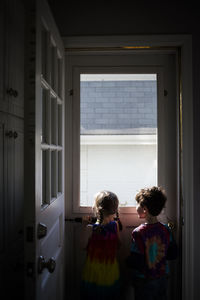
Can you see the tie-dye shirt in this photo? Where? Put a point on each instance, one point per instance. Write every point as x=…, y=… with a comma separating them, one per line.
x=101, y=270
x=151, y=241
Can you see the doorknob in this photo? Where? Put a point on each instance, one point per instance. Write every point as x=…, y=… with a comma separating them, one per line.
x=171, y=225
x=50, y=264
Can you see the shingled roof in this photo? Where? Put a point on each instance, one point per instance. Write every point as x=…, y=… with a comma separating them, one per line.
x=119, y=107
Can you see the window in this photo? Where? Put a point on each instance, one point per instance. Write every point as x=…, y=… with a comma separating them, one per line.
x=118, y=135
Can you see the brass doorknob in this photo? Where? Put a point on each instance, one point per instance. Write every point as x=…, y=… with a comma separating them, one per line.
x=171, y=225
x=50, y=264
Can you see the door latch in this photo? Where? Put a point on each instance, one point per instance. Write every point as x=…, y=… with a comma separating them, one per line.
x=41, y=230
x=50, y=264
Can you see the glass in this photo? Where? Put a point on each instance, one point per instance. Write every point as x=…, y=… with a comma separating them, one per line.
x=53, y=75
x=118, y=135
x=44, y=116
x=59, y=64
x=44, y=44
x=60, y=171
x=54, y=174
x=60, y=124
x=44, y=177
x=54, y=124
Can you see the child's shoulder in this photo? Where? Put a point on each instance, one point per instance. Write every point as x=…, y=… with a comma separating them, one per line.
x=146, y=227
x=139, y=228
x=111, y=226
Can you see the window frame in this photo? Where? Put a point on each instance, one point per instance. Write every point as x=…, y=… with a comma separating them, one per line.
x=76, y=71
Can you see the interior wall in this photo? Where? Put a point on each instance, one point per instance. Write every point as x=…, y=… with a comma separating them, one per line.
x=196, y=208
x=143, y=17
x=125, y=17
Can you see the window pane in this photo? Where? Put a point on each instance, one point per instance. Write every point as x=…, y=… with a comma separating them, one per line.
x=44, y=44
x=45, y=177
x=54, y=175
x=54, y=121
x=60, y=124
x=60, y=171
x=118, y=135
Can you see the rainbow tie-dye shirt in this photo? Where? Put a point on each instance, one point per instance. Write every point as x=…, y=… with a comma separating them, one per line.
x=152, y=242
x=101, y=270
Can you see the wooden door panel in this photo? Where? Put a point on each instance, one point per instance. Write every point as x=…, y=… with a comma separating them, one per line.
x=46, y=150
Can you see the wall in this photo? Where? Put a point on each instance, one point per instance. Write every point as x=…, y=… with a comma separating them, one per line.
x=129, y=17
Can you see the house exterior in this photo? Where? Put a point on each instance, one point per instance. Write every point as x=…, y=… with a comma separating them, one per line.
x=118, y=135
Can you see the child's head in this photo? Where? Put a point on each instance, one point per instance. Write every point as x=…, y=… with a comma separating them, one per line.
x=106, y=204
x=153, y=199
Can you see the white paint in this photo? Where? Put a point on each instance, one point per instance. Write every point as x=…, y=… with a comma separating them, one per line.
x=117, y=77
x=122, y=168
x=118, y=139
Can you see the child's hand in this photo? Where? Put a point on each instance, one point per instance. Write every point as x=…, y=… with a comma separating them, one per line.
x=86, y=220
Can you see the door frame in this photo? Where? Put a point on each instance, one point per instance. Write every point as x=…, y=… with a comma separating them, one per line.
x=183, y=44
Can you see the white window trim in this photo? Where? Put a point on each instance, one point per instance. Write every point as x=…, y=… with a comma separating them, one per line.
x=184, y=44
x=118, y=139
x=73, y=111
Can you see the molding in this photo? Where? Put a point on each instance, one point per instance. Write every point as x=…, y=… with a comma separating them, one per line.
x=163, y=43
x=118, y=140
x=126, y=42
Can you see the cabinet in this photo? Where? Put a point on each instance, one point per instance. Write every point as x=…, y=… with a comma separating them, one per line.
x=12, y=147
x=12, y=60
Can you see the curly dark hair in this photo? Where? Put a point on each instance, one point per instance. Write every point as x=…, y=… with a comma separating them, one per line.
x=153, y=198
x=106, y=203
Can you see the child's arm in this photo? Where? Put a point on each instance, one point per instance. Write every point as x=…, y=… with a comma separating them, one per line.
x=136, y=259
x=172, y=251
x=87, y=230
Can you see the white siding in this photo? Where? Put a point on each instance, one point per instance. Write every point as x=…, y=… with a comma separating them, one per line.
x=123, y=169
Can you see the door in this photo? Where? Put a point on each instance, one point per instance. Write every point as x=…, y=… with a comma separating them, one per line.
x=124, y=136
x=44, y=145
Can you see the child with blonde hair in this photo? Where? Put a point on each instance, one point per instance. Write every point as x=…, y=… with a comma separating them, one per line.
x=101, y=275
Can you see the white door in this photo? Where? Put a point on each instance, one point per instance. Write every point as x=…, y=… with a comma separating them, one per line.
x=44, y=160
x=123, y=112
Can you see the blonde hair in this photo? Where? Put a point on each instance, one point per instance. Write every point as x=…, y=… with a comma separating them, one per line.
x=106, y=203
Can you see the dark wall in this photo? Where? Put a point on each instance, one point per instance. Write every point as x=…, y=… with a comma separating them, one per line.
x=125, y=17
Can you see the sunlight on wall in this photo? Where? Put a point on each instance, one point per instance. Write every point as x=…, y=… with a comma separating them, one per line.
x=118, y=135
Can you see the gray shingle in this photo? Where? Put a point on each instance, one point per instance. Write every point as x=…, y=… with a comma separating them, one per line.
x=118, y=105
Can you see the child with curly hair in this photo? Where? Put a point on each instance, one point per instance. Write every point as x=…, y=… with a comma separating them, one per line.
x=152, y=245
x=101, y=275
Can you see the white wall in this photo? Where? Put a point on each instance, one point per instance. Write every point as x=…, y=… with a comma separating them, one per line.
x=122, y=168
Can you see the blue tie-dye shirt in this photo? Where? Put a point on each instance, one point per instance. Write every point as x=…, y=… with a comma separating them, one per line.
x=151, y=241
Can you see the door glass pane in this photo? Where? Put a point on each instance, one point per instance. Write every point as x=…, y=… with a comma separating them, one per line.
x=118, y=134
x=44, y=43
x=54, y=124
x=44, y=177
x=59, y=65
x=60, y=171
x=60, y=124
x=45, y=117
x=53, y=57
x=54, y=174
